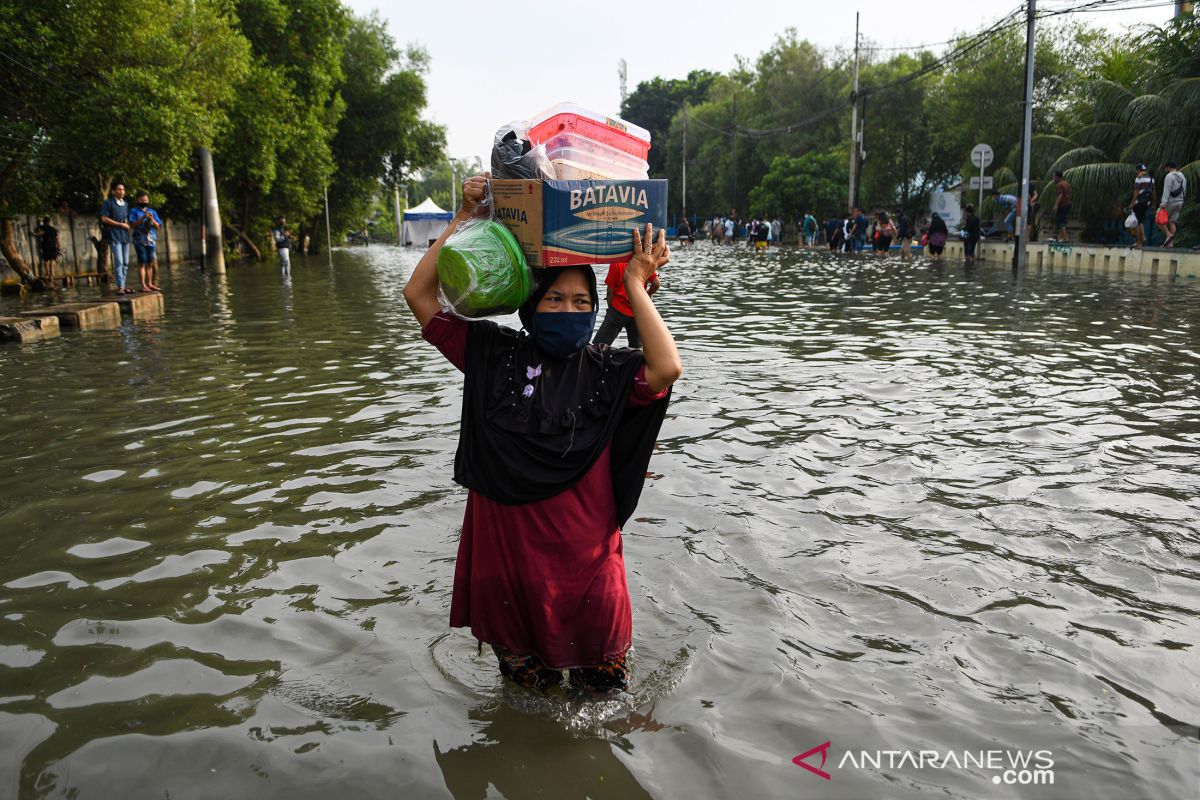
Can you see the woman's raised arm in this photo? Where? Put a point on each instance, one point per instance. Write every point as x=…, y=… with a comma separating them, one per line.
x=663, y=366
x=421, y=290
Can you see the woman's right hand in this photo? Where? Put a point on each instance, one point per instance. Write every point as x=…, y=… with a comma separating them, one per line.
x=474, y=190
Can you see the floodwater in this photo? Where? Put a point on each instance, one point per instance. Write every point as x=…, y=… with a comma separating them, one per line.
x=895, y=508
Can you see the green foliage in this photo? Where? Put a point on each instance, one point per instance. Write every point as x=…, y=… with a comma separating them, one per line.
x=291, y=95
x=905, y=159
x=655, y=102
x=331, y=102
x=381, y=138
x=815, y=182
x=435, y=181
x=1153, y=118
x=85, y=111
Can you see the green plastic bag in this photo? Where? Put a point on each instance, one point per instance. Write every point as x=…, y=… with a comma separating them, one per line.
x=482, y=271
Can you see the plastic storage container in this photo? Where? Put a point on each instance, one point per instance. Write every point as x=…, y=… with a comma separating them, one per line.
x=482, y=271
x=573, y=155
x=570, y=118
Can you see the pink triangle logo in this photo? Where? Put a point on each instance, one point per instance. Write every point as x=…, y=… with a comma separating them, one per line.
x=823, y=749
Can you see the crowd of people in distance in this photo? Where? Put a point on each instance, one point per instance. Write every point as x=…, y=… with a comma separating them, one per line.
x=858, y=232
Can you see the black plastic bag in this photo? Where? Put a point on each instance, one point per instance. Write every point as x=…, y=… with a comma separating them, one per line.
x=513, y=156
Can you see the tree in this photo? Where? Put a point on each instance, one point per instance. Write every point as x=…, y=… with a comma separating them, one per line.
x=654, y=103
x=87, y=110
x=905, y=161
x=1134, y=121
x=815, y=182
x=277, y=157
x=434, y=181
x=381, y=139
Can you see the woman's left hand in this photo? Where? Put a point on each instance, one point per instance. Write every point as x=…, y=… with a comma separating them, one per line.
x=649, y=254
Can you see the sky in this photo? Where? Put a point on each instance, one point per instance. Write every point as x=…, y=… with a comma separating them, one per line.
x=494, y=62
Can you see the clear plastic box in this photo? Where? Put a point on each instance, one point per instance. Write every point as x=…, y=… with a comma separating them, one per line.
x=576, y=152
x=570, y=118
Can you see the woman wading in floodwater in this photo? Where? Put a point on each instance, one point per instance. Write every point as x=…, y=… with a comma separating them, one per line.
x=556, y=435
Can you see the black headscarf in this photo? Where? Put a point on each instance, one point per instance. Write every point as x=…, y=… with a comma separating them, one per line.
x=519, y=445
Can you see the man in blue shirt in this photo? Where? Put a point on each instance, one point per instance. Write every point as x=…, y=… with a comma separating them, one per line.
x=144, y=223
x=1008, y=202
x=114, y=222
x=860, y=229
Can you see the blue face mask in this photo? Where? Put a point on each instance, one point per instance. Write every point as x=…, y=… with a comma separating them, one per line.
x=561, y=333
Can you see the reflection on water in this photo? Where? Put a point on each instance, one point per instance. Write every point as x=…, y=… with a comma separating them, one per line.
x=894, y=507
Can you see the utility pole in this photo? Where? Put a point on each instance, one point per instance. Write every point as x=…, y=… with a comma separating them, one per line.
x=399, y=217
x=328, y=234
x=733, y=205
x=685, y=124
x=212, y=213
x=623, y=75
x=854, y=123
x=1026, y=146
x=453, y=193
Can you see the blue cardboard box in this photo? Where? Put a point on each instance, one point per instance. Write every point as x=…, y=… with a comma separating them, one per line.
x=560, y=223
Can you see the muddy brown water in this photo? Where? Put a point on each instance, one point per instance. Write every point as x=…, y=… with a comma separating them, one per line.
x=895, y=508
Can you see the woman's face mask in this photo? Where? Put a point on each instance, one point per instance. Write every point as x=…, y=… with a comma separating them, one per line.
x=565, y=316
x=561, y=333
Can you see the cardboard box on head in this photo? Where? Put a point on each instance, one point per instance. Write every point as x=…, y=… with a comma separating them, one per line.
x=563, y=223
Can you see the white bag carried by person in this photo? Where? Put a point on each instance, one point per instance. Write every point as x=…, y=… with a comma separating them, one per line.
x=1131, y=221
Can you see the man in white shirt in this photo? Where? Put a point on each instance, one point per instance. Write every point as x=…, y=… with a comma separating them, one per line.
x=1174, y=191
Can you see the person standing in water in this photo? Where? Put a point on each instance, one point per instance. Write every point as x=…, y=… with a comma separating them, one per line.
x=972, y=233
x=904, y=232
x=935, y=237
x=283, y=245
x=809, y=226
x=619, y=316
x=555, y=439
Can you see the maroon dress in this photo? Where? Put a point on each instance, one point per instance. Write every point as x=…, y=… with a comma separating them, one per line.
x=545, y=578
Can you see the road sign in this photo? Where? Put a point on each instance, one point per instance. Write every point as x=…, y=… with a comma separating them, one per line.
x=987, y=182
x=981, y=155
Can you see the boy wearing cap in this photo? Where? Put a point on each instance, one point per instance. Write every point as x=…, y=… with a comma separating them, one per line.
x=1143, y=198
x=1174, y=190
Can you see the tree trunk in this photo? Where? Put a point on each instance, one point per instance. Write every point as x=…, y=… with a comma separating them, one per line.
x=101, y=254
x=246, y=240
x=13, y=256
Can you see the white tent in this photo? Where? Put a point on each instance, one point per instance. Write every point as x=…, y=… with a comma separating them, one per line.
x=425, y=223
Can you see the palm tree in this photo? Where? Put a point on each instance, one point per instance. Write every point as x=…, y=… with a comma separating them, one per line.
x=1146, y=108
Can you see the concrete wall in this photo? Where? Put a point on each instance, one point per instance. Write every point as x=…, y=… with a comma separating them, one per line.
x=1082, y=259
x=177, y=241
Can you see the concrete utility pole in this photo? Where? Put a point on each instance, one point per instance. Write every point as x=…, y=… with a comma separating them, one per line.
x=1026, y=146
x=685, y=123
x=854, y=123
x=399, y=217
x=733, y=205
x=328, y=234
x=212, y=214
x=623, y=74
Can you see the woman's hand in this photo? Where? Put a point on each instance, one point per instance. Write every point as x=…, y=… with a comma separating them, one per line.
x=474, y=190
x=648, y=255
x=663, y=366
